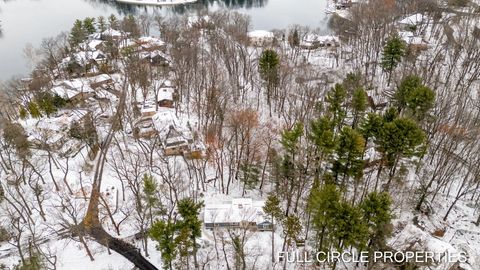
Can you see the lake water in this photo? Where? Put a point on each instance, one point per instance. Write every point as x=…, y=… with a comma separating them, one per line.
x=29, y=21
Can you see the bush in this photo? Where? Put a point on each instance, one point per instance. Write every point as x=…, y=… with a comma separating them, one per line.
x=16, y=137
x=22, y=112
x=34, y=110
x=32, y=263
x=48, y=103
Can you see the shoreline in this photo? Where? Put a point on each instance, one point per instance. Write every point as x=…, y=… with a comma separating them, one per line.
x=157, y=2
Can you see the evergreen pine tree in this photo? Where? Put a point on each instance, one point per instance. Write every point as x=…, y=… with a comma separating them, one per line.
x=291, y=138
x=150, y=197
x=89, y=25
x=102, y=24
x=336, y=100
x=273, y=210
x=322, y=136
x=415, y=97
x=377, y=214
x=393, y=52
x=268, y=67
x=189, y=211
x=77, y=34
x=323, y=204
x=113, y=22
x=164, y=233
x=291, y=229
x=399, y=138
x=349, y=152
x=359, y=105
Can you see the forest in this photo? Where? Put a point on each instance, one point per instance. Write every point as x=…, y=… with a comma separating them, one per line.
x=367, y=144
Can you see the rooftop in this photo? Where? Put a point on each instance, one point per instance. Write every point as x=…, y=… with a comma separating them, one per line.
x=235, y=211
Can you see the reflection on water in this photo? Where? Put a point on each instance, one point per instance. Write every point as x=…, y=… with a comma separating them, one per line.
x=239, y=3
x=125, y=9
x=27, y=21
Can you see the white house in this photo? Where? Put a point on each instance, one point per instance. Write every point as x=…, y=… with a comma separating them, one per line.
x=237, y=213
x=74, y=90
x=111, y=33
x=312, y=41
x=150, y=43
x=413, y=41
x=413, y=20
x=260, y=37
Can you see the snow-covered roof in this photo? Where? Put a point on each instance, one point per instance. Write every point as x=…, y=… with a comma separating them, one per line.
x=150, y=42
x=111, y=33
x=64, y=92
x=91, y=45
x=260, y=34
x=83, y=57
x=167, y=83
x=127, y=43
x=95, y=36
x=100, y=78
x=148, y=108
x=163, y=119
x=413, y=19
x=70, y=88
x=75, y=84
x=52, y=129
x=235, y=211
x=165, y=93
x=153, y=54
x=312, y=39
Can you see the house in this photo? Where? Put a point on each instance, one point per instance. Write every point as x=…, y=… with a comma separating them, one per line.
x=85, y=58
x=314, y=41
x=414, y=42
x=343, y=4
x=165, y=97
x=176, y=138
x=148, y=109
x=413, y=21
x=261, y=37
x=237, y=213
x=150, y=44
x=143, y=127
x=92, y=45
x=111, y=34
x=176, y=142
x=53, y=133
x=83, y=62
x=159, y=59
x=101, y=81
x=156, y=58
x=163, y=119
x=196, y=150
x=74, y=90
x=328, y=41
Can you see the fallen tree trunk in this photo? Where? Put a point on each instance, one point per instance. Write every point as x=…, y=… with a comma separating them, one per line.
x=91, y=226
